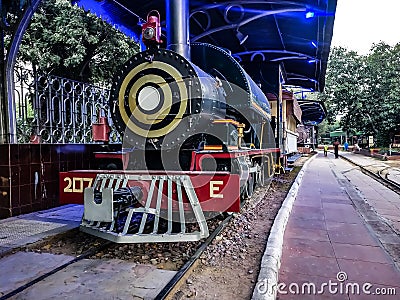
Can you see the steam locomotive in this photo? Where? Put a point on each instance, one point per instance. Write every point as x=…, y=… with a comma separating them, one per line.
x=197, y=140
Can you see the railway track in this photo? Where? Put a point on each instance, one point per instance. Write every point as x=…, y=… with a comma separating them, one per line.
x=84, y=255
x=180, y=275
x=379, y=175
x=82, y=246
x=385, y=175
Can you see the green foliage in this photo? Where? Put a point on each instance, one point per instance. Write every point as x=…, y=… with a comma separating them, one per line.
x=363, y=91
x=67, y=41
x=325, y=128
x=385, y=150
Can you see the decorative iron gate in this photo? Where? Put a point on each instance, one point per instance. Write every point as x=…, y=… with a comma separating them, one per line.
x=51, y=109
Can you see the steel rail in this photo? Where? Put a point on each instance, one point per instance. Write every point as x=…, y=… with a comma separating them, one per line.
x=166, y=291
x=394, y=186
x=55, y=270
x=394, y=183
x=162, y=294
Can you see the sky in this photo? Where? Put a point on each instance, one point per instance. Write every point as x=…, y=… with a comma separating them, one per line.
x=359, y=23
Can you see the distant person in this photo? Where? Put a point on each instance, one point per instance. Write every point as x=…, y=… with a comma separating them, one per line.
x=336, y=147
x=346, y=146
x=326, y=150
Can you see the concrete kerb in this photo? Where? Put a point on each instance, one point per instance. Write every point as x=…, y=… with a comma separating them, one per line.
x=268, y=277
x=348, y=159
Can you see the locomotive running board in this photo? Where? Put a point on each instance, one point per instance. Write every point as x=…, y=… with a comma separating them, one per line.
x=99, y=219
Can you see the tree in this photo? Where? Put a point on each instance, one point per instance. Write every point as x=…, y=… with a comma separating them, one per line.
x=324, y=128
x=344, y=82
x=64, y=40
x=361, y=91
x=383, y=72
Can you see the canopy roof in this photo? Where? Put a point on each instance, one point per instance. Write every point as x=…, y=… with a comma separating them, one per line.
x=337, y=133
x=314, y=112
x=295, y=33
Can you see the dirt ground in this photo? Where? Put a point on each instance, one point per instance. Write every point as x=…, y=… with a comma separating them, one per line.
x=229, y=267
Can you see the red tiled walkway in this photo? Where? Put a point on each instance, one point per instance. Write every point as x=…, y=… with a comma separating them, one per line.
x=325, y=235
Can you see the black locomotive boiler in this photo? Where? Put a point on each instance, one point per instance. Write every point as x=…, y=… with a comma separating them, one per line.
x=196, y=139
x=163, y=103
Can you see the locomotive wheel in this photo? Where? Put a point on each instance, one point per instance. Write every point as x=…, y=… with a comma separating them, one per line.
x=247, y=189
x=244, y=193
x=250, y=186
x=260, y=176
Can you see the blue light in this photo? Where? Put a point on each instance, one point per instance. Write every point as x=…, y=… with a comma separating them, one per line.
x=312, y=61
x=309, y=15
x=314, y=44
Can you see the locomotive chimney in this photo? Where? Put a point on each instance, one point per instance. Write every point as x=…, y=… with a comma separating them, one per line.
x=177, y=17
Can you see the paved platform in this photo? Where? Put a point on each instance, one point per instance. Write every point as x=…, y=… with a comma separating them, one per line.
x=29, y=228
x=336, y=244
x=86, y=279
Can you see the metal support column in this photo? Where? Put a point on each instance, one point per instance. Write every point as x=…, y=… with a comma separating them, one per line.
x=3, y=98
x=9, y=101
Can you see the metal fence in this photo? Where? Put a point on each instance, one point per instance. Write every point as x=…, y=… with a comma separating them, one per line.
x=51, y=109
